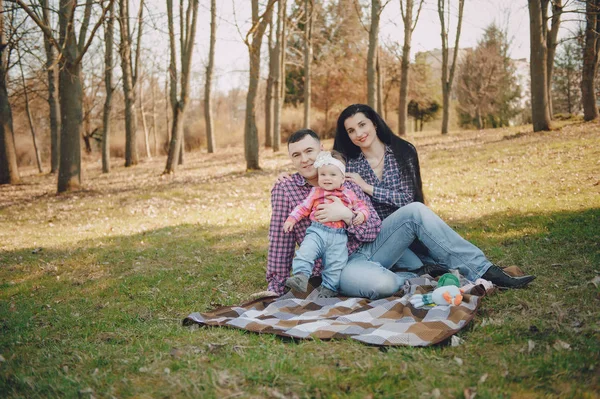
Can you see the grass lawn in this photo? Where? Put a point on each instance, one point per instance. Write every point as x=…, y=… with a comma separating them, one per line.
x=94, y=285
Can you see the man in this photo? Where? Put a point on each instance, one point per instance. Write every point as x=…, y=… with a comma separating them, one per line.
x=381, y=245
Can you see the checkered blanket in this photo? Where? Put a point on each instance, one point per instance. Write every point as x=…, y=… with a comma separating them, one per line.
x=387, y=322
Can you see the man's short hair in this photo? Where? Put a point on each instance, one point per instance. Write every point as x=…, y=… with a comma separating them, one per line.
x=300, y=134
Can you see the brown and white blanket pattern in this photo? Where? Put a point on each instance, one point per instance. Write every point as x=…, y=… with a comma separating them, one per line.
x=387, y=322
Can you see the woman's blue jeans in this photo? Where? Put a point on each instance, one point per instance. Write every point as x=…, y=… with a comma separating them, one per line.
x=367, y=273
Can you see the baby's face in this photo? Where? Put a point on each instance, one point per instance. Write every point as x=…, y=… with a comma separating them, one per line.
x=330, y=177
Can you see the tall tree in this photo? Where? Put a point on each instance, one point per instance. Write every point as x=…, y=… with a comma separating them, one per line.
x=540, y=110
x=71, y=51
x=210, y=134
x=9, y=172
x=253, y=41
x=269, y=88
x=130, y=72
x=279, y=74
x=308, y=55
x=53, y=105
x=372, y=53
x=179, y=101
x=410, y=23
x=36, y=149
x=566, y=80
x=448, y=74
x=590, y=60
x=552, y=42
x=109, y=31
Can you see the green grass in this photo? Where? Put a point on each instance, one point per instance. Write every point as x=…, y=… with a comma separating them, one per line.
x=94, y=285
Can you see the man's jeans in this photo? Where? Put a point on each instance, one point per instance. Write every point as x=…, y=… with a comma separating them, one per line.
x=367, y=273
x=327, y=243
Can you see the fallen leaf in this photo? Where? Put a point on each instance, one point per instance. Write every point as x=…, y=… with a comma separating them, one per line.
x=530, y=346
x=167, y=371
x=483, y=378
x=470, y=393
x=458, y=360
x=456, y=341
x=2, y=359
x=595, y=281
x=559, y=345
x=436, y=393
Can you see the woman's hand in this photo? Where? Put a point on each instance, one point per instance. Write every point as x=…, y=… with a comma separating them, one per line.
x=356, y=178
x=283, y=176
x=334, y=211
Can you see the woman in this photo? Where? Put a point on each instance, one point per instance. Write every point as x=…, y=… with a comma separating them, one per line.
x=387, y=169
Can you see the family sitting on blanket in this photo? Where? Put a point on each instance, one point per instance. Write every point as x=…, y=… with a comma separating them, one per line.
x=328, y=240
x=383, y=170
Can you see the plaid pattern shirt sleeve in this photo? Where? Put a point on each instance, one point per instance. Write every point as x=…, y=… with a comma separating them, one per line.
x=367, y=231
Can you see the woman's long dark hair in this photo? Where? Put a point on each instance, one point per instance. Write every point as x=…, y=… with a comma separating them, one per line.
x=404, y=152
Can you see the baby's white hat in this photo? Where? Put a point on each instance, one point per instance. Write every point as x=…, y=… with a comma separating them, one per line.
x=325, y=158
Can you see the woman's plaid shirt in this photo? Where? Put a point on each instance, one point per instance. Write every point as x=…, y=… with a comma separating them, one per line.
x=285, y=196
x=393, y=191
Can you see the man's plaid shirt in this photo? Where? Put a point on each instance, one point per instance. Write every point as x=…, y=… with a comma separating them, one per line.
x=393, y=191
x=285, y=196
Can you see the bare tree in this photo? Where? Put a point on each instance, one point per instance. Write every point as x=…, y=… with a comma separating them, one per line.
x=54, y=107
x=130, y=72
x=36, y=148
x=540, y=112
x=9, y=172
x=179, y=101
x=590, y=60
x=71, y=51
x=448, y=74
x=269, y=89
x=372, y=53
x=254, y=40
x=210, y=135
x=279, y=74
x=109, y=30
x=406, y=9
x=308, y=27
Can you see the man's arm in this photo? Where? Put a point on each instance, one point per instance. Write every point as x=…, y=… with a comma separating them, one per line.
x=365, y=232
x=281, y=245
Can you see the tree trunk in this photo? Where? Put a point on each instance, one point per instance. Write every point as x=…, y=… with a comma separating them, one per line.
x=277, y=77
x=53, y=105
x=131, y=152
x=109, y=29
x=144, y=123
x=269, y=90
x=404, y=68
x=540, y=114
x=372, y=53
x=552, y=42
x=590, y=61
x=308, y=13
x=36, y=149
x=9, y=172
x=187, y=34
x=448, y=76
x=210, y=136
x=379, y=72
x=154, y=135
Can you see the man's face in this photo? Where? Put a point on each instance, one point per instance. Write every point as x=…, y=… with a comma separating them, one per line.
x=303, y=154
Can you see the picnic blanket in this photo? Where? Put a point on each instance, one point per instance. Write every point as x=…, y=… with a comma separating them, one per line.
x=391, y=321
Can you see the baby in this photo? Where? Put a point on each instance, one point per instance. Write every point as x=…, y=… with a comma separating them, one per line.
x=324, y=240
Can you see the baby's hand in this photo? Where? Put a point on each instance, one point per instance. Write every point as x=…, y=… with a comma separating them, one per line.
x=288, y=225
x=358, y=219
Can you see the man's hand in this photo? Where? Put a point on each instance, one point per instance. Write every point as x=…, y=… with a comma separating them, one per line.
x=283, y=176
x=356, y=178
x=334, y=211
x=289, y=225
x=358, y=219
